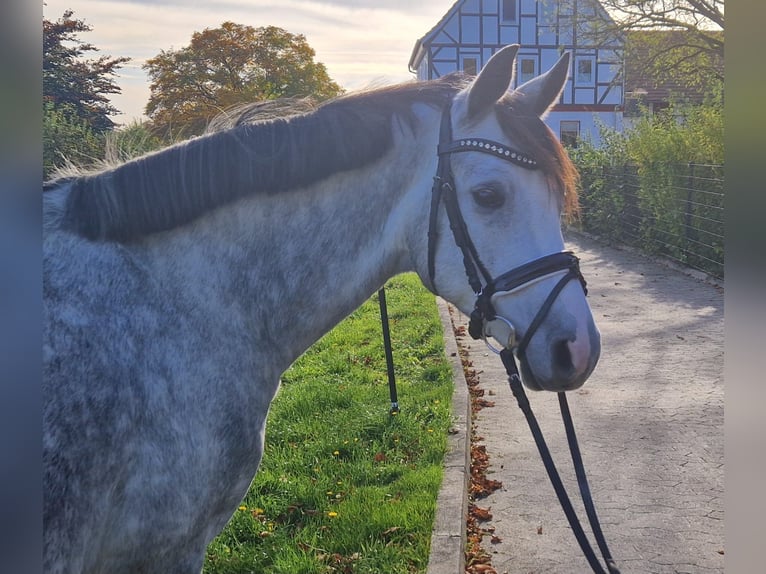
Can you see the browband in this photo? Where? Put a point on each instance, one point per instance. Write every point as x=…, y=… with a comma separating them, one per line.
x=490, y=147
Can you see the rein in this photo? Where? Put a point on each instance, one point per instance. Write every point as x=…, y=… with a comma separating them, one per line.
x=485, y=286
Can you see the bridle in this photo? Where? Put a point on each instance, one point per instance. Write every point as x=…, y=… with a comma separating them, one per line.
x=485, y=286
x=482, y=282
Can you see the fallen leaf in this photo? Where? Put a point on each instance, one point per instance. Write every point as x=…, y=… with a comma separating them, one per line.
x=481, y=513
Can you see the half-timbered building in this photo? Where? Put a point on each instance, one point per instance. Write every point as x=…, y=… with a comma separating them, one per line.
x=472, y=30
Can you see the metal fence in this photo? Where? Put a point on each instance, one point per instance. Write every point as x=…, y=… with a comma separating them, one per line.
x=675, y=210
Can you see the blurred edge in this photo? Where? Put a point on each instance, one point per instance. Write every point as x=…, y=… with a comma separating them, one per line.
x=20, y=287
x=745, y=297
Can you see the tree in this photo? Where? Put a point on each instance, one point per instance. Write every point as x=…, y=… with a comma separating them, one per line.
x=69, y=81
x=230, y=65
x=690, y=53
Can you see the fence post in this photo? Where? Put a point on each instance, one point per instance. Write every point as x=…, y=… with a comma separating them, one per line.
x=394, y=410
x=688, y=233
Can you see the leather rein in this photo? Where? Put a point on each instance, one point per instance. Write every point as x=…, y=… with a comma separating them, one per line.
x=485, y=286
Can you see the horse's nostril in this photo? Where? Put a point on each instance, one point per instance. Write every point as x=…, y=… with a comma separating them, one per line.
x=562, y=357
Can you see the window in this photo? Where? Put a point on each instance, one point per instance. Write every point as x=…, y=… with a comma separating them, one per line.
x=469, y=66
x=509, y=10
x=584, y=71
x=526, y=69
x=570, y=132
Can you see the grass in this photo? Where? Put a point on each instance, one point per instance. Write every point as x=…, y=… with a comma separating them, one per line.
x=344, y=486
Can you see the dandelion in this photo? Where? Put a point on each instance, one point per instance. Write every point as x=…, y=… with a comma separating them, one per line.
x=430, y=430
x=243, y=507
x=335, y=453
x=332, y=514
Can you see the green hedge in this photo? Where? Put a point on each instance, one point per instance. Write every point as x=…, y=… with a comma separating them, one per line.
x=659, y=185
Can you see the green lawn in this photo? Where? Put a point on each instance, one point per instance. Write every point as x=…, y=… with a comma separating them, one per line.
x=344, y=486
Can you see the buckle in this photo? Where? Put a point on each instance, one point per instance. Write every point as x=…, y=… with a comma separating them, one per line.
x=510, y=344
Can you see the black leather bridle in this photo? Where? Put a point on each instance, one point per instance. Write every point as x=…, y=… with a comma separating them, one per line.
x=485, y=286
x=480, y=279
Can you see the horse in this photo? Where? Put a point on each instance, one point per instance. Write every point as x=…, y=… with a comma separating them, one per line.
x=180, y=285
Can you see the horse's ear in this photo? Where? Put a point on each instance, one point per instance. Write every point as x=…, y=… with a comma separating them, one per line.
x=542, y=92
x=493, y=81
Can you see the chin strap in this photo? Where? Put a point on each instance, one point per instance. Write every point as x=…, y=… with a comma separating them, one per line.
x=521, y=398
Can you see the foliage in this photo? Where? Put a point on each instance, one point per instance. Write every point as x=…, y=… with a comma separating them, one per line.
x=682, y=134
x=344, y=486
x=230, y=65
x=602, y=196
x=68, y=139
x=79, y=85
x=76, y=105
x=691, y=56
x=659, y=185
x=679, y=60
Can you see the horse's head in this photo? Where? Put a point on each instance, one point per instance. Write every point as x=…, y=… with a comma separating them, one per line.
x=503, y=201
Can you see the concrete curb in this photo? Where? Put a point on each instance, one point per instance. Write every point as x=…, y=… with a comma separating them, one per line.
x=447, y=554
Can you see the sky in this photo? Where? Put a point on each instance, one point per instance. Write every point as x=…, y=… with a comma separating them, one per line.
x=361, y=42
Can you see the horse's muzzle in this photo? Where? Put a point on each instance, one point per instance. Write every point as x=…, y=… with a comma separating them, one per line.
x=571, y=361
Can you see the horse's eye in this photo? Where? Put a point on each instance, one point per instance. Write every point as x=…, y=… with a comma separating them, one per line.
x=488, y=197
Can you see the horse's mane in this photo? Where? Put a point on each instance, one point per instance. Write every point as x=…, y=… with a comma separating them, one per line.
x=268, y=147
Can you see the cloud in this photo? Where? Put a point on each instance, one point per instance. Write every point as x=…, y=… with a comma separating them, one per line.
x=359, y=41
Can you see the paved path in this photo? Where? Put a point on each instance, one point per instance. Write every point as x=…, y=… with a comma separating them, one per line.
x=649, y=422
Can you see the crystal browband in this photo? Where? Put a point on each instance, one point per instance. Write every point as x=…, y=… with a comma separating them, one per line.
x=491, y=147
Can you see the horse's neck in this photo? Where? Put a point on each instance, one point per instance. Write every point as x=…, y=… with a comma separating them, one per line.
x=288, y=267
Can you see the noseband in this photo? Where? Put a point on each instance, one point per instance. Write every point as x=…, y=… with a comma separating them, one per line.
x=480, y=279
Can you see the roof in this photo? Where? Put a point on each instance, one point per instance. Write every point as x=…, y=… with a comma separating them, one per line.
x=418, y=51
